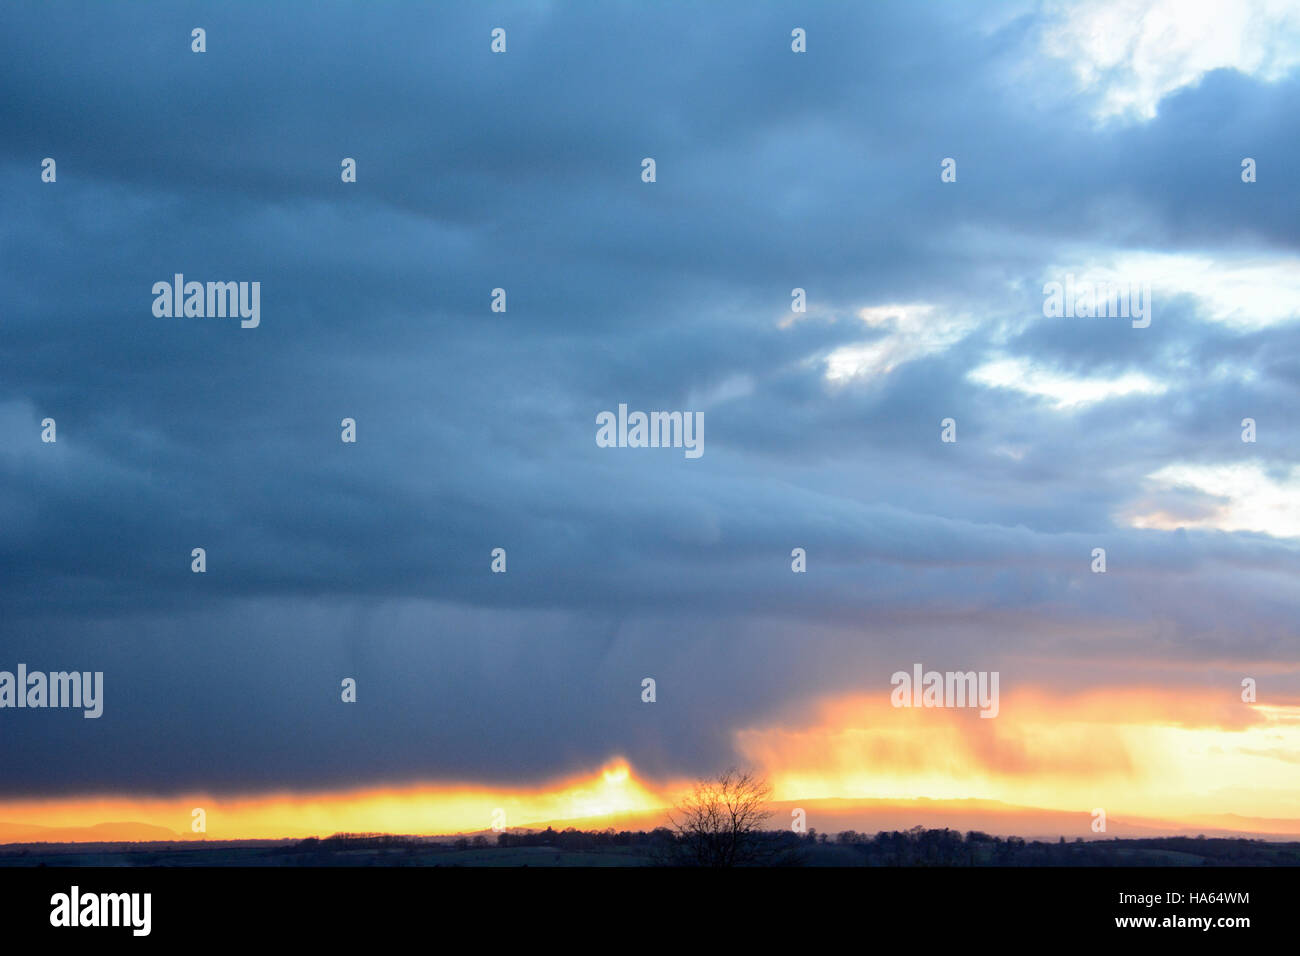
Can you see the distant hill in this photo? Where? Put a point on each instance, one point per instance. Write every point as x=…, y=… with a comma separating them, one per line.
x=989, y=816
x=127, y=832
x=824, y=816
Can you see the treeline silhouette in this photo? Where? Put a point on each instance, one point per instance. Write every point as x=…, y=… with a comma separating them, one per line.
x=355, y=841
x=922, y=847
x=915, y=847
x=582, y=840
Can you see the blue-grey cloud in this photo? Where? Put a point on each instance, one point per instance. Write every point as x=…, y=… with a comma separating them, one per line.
x=476, y=429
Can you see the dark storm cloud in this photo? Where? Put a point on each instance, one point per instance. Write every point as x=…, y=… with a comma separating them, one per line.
x=476, y=430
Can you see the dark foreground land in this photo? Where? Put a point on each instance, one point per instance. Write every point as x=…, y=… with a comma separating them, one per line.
x=916, y=847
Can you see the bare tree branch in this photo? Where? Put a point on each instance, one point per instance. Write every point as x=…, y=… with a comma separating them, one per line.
x=721, y=822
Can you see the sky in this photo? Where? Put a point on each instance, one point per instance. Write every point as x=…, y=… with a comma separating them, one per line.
x=1091, y=143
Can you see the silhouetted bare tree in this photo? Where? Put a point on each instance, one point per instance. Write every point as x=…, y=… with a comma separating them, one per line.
x=721, y=822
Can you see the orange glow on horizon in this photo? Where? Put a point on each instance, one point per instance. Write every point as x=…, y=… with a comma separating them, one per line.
x=1192, y=759
x=415, y=809
x=1143, y=752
